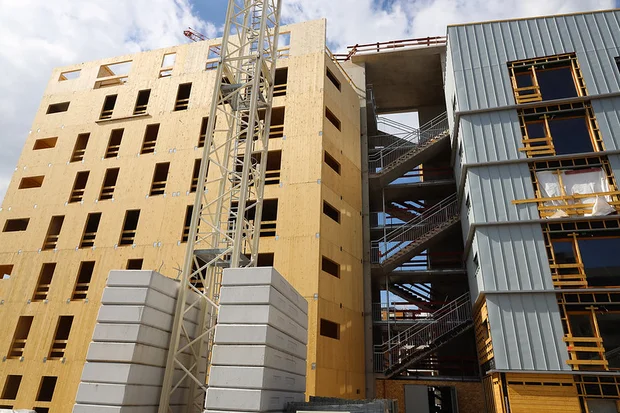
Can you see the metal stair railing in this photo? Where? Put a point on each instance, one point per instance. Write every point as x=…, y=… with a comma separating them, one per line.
x=408, y=142
x=416, y=229
x=421, y=336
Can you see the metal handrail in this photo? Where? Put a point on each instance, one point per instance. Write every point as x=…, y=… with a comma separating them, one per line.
x=390, y=45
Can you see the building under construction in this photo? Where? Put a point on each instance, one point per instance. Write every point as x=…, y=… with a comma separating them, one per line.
x=461, y=264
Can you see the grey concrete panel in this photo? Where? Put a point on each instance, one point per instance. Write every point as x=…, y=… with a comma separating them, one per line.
x=264, y=276
x=256, y=378
x=250, y=400
x=127, y=353
x=116, y=394
x=263, y=314
x=92, y=408
x=120, y=373
x=607, y=112
x=262, y=294
x=132, y=333
x=261, y=335
x=138, y=296
x=127, y=314
x=256, y=355
x=144, y=279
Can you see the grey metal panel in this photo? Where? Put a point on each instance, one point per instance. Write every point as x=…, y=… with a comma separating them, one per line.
x=513, y=258
x=473, y=274
x=526, y=331
x=480, y=53
x=491, y=136
x=494, y=187
x=614, y=162
x=416, y=399
x=607, y=112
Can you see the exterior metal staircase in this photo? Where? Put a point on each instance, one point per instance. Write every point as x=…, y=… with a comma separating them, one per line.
x=424, y=338
x=414, y=146
x=411, y=238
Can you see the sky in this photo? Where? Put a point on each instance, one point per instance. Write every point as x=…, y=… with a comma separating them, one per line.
x=38, y=35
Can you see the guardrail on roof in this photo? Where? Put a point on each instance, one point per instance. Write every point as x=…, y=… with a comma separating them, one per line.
x=391, y=45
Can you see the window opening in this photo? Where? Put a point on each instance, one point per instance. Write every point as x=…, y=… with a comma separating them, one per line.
x=203, y=132
x=41, y=409
x=128, y=234
x=90, y=230
x=331, y=212
x=159, y=179
x=69, y=75
x=114, y=74
x=280, y=82
x=46, y=390
x=213, y=57
x=53, y=232
x=617, y=58
x=331, y=162
x=134, y=263
x=330, y=267
x=142, y=102
x=58, y=108
x=108, y=107
x=284, y=45
x=183, y=93
x=329, y=329
x=114, y=143
x=82, y=282
x=167, y=64
x=333, y=79
x=195, y=176
x=109, y=183
x=16, y=225
x=46, y=143
x=11, y=387
x=150, y=138
x=265, y=259
x=273, y=167
x=61, y=338
x=43, y=283
x=79, y=185
x=31, y=182
x=80, y=147
x=332, y=118
x=187, y=223
x=5, y=271
x=277, y=123
x=269, y=218
x=19, y=337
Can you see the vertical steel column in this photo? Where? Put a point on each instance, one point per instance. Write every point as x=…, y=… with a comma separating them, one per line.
x=225, y=226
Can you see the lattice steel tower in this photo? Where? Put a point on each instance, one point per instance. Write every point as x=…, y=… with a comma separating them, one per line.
x=226, y=217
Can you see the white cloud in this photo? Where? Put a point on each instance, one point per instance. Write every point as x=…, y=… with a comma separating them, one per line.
x=36, y=36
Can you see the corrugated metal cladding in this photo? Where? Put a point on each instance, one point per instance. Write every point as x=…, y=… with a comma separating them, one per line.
x=607, y=112
x=526, y=331
x=493, y=187
x=473, y=275
x=491, y=136
x=480, y=52
x=513, y=258
x=614, y=162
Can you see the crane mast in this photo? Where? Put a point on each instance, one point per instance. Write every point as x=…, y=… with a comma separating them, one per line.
x=225, y=222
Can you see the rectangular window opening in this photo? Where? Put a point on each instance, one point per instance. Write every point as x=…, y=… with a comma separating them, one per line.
x=273, y=168
x=80, y=147
x=16, y=225
x=79, y=185
x=142, y=102
x=47, y=387
x=114, y=143
x=41, y=409
x=187, y=223
x=134, y=263
x=82, y=282
x=115, y=74
x=331, y=212
x=45, y=143
x=284, y=45
x=58, y=108
x=617, y=58
x=19, y=337
x=150, y=138
x=5, y=271
x=90, y=230
x=277, y=123
x=61, y=338
x=330, y=267
x=280, y=82
x=182, y=100
x=213, y=57
x=160, y=176
x=332, y=118
x=53, y=232
x=167, y=64
x=269, y=219
x=331, y=162
x=265, y=259
x=109, y=183
x=128, y=234
x=329, y=329
x=45, y=280
x=108, y=107
x=69, y=75
x=31, y=182
x=11, y=387
x=333, y=79
x=195, y=176
x=203, y=132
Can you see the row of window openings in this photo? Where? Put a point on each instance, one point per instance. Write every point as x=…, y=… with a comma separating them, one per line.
x=44, y=394
x=57, y=347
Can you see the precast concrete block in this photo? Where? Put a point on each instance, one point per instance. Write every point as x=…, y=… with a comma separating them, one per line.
x=138, y=296
x=122, y=373
x=257, y=356
x=250, y=400
x=124, y=394
x=144, y=279
x=262, y=294
x=264, y=276
x=92, y=408
x=127, y=353
x=256, y=378
x=263, y=314
x=131, y=314
x=132, y=333
x=259, y=334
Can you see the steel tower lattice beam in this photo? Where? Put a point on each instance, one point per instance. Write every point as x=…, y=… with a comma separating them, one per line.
x=225, y=226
